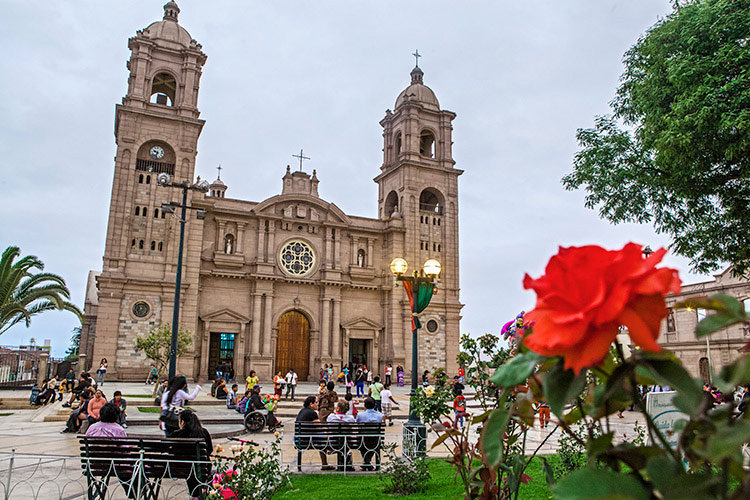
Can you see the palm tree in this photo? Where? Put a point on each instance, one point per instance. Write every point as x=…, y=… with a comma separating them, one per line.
x=23, y=294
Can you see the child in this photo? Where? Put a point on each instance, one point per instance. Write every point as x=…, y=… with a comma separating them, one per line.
x=387, y=402
x=322, y=387
x=543, y=414
x=352, y=402
x=35, y=391
x=242, y=405
x=459, y=407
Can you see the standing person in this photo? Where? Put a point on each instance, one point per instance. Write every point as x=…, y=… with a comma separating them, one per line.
x=543, y=414
x=374, y=393
x=291, y=383
x=388, y=371
x=101, y=372
x=369, y=415
x=461, y=372
x=459, y=409
x=122, y=405
x=176, y=396
x=349, y=383
x=52, y=388
x=327, y=401
x=220, y=369
x=323, y=373
x=359, y=380
x=190, y=427
x=330, y=372
x=278, y=384
x=400, y=375
x=160, y=392
x=252, y=380
x=70, y=380
x=107, y=426
x=369, y=377
x=387, y=401
x=308, y=413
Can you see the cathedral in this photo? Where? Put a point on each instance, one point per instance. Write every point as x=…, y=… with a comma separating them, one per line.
x=288, y=282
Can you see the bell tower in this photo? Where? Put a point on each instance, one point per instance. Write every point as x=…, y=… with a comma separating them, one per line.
x=157, y=126
x=418, y=184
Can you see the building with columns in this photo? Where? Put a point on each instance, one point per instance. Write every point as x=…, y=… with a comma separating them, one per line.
x=291, y=281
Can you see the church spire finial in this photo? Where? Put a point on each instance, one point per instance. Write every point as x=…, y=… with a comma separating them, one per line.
x=417, y=74
x=171, y=11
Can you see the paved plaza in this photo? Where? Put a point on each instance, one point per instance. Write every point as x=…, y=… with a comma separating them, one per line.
x=37, y=431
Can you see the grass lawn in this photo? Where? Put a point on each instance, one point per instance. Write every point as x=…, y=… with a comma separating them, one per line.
x=5, y=414
x=150, y=409
x=441, y=486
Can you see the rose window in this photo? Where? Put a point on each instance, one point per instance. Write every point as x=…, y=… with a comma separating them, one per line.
x=141, y=309
x=297, y=258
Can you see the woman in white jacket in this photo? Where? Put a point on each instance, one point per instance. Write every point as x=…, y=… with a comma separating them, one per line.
x=176, y=396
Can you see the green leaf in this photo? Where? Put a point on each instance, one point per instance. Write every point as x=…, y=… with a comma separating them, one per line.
x=549, y=473
x=728, y=440
x=493, y=434
x=599, y=484
x=599, y=445
x=561, y=386
x=671, y=481
x=516, y=371
x=444, y=436
x=481, y=418
x=670, y=372
x=738, y=373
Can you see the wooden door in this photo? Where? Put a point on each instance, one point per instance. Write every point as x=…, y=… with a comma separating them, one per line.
x=293, y=344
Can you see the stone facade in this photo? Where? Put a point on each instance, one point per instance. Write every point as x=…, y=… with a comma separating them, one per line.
x=721, y=348
x=289, y=281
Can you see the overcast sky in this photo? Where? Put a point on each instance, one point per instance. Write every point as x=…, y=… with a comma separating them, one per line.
x=522, y=76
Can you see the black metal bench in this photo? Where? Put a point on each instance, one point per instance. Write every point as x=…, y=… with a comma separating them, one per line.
x=340, y=438
x=140, y=464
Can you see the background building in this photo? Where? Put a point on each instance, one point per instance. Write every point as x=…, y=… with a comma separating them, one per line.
x=291, y=281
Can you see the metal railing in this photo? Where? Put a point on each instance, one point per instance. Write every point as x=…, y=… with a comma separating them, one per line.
x=154, y=166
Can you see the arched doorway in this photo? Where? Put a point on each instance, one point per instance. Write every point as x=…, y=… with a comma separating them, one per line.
x=293, y=344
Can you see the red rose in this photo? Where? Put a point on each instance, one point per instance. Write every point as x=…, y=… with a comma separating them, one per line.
x=587, y=292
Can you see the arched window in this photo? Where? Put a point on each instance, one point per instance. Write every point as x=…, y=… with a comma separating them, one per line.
x=427, y=144
x=140, y=179
x=391, y=204
x=704, y=369
x=438, y=247
x=163, y=88
x=148, y=179
x=140, y=244
x=162, y=215
x=229, y=243
x=431, y=201
x=156, y=213
x=153, y=245
x=160, y=246
x=132, y=243
x=361, y=258
x=137, y=210
x=398, y=145
x=144, y=212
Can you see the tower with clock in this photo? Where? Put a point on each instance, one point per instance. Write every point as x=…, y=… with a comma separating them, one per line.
x=291, y=281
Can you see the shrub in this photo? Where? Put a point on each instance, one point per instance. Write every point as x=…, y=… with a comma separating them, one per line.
x=403, y=476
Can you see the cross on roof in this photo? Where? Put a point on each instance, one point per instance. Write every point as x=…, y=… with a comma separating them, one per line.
x=219, y=169
x=301, y=157
x=417, y=55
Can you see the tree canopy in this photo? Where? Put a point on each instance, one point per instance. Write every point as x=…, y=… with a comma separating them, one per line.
x=156, y=344
x=675, y=152
x=24, y=294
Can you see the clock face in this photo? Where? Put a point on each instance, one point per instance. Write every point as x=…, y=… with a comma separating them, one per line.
x=157, y=152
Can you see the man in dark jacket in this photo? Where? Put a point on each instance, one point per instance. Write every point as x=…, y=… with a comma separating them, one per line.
x=84, y=382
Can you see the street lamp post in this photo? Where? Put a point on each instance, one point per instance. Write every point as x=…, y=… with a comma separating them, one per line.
x=419, y=289
x=201, y=186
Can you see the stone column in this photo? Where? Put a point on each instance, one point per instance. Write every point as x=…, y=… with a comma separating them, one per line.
x=240, y=237
x=205, y=341
x=261, y=241
x=325, y=328
x=352, y=251
x=337, y=252
x=255, y=340
x=239, y=352
x=271, y=243
x=81, y=362
x=336, y=329
x=268, y=318
x=41, y=373
x=370, y=256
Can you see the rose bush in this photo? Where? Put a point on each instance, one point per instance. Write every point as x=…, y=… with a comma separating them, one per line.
x=585, y=295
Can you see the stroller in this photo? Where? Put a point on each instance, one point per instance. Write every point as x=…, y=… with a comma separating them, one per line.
x=255, y=420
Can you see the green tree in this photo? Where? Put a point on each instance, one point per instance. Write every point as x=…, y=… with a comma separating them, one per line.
x=676, y=150
x=156, y=345
x=71, y=354
x=24, y=294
